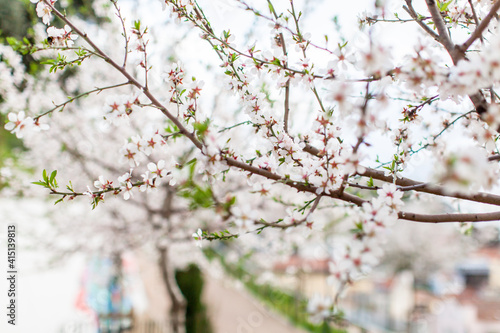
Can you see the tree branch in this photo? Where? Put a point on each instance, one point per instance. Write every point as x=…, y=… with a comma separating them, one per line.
x=478, y=33
x=456, y=52
x=442, y=218
x=486, y=198
x=287, y=84
x=443, y=35
x=474, y=16
x=419, y=20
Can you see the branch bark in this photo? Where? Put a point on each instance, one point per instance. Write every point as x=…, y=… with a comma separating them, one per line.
x=410, y=10
x=478, y=33
x=486, y=198
x=444, y=36
x=457, y=217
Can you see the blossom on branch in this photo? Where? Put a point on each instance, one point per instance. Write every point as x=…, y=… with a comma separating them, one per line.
x=61, y=37
x=18, y=123
x=43, y=10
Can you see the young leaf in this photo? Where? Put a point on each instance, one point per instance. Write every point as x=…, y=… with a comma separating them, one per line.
x=52, y=176
x=40, y=183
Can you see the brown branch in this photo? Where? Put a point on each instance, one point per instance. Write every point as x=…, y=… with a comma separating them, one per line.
x=409, y=184
x=178, y=306
x=287, y=84
x=478, y=33
x=456, y=52
x=409, y=9
x=443, y=218
x=474, y=16
x=495, y=157
x=122, y=21
x=443, y=35
x=486, y=198
x=287, y=105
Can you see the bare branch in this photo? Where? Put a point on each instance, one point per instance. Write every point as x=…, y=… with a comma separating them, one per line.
x=486, y=198
x=72, y=99
x=443, y=35
x=478, y=33
x=281, y=40
x=417, y=18
x=127, y=39
x=474, y=16
x=442, y=218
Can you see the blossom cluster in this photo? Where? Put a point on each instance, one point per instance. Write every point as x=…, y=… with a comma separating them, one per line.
x=184, y=95
x=61, y=37
x=119, y=108
x=18, y=124
x=44, y=10
x=459, y=170
x=151, y=180
x=371, y=220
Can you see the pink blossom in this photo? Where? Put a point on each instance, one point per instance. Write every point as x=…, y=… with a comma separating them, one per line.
x=391, y=196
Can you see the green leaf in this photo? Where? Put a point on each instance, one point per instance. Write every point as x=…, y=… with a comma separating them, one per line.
x=137, y=25
x=70, y=187
x=443, y=7
x=52, y=176
x=370, y=182
x=271, y=8
x=201, y=128
x=40, y=183
x=276, y=62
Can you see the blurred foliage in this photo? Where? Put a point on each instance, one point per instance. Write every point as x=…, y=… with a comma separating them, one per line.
x=9, y=144
x=16, y=26
x=16, y=18
x=190, y=281
x=291, y=306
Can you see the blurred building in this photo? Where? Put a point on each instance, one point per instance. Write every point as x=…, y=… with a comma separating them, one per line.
x=465, y=299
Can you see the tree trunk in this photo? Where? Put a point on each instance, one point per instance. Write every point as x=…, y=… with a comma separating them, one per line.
x=178, y=303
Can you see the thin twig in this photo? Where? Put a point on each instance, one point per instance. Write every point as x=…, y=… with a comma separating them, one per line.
x=474, y=16
x=72, y=99
x=127, y=39
x=287, y=84
x=419, y=19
